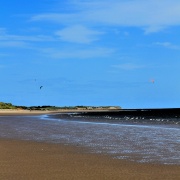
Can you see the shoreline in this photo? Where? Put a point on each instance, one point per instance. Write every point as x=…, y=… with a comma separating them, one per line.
x=9, y=112
x=161, y=112
x=36, y=160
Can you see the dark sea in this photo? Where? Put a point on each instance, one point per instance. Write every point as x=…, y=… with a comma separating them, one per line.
x=138, y=139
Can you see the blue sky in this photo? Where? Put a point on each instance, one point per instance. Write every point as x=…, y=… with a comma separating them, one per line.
x=90, y=52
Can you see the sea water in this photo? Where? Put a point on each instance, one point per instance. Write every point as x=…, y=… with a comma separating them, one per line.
x=144, y=143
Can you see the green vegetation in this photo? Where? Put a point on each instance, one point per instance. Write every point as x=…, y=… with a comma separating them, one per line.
x=6, y=106
x=53, y=108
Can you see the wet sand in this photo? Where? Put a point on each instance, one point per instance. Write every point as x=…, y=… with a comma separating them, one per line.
x=20, y=159
x=33, y=160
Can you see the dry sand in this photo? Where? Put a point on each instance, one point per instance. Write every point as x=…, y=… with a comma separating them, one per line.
x=12, y=112
x=32, y=160
x=9, y=112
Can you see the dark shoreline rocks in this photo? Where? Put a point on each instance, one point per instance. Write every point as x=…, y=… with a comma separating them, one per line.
x=133, y=116
x=148, y=113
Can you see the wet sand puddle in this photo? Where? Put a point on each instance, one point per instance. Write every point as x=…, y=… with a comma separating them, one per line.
x=140, y=143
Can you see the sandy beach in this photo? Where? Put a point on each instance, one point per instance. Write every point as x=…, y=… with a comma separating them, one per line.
x=32, y=160
x=12, y=112
x=23, y=159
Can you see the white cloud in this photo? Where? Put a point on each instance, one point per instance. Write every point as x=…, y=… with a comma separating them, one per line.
x=167, y=45
x=13, y=44
x=82, y=53
x=11, y=40
x=153, y=29
x=128, y=66
x=150, y=15
x=5, y=37
x=57, y=17
x=78, y=34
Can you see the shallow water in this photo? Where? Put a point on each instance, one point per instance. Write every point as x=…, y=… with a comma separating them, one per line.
x=135, y=142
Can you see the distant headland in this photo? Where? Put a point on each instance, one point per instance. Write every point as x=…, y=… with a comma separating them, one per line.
x=6, y=106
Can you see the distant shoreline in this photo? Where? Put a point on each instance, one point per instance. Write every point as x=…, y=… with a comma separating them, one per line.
x=147, y=113
x=41, y=112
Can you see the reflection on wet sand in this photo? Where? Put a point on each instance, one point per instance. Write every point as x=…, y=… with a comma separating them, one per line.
x=135, y=142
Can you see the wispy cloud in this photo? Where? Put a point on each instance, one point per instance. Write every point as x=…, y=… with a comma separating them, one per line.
x=78, y=34
x=74, y=34
x=11, y=40
x=167, y=45
x=150, y=15
x=19, y=44
x=57, y=17
x=128, y=66
x=4, y=36
x=81, y=53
